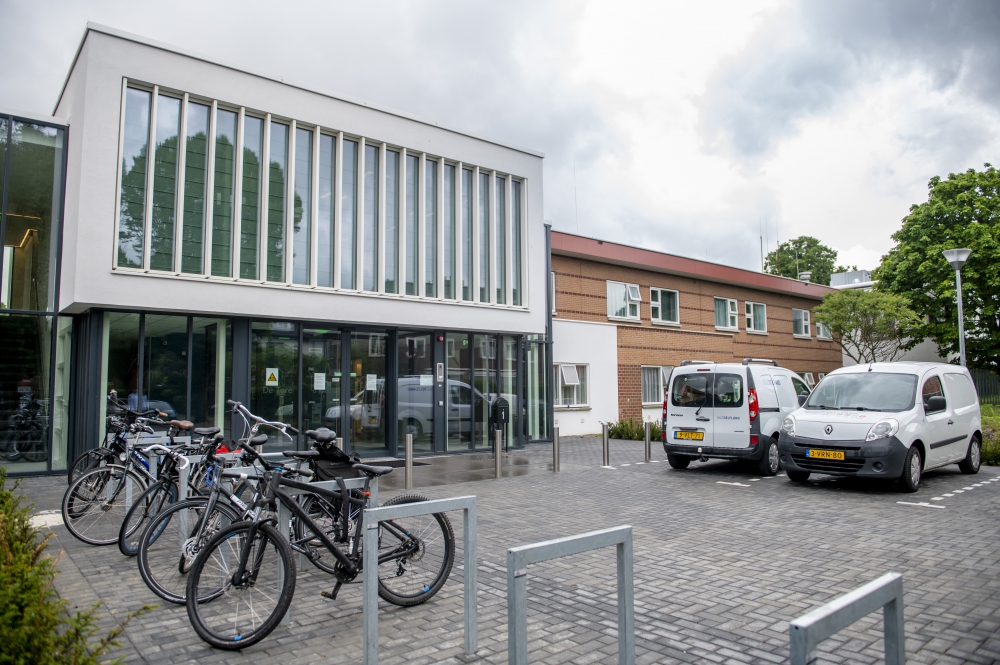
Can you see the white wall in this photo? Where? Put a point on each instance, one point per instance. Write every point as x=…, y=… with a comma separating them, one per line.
x=92, y=104
x=595, y=345
x=924, y=352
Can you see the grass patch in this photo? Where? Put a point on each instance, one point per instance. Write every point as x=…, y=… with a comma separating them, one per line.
x=991, y=434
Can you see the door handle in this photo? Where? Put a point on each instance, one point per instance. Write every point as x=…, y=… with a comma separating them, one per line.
x=702, y=419
x=951, y=422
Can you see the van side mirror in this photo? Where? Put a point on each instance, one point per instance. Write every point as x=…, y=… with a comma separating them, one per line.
x=935, y=404
x=802, y=399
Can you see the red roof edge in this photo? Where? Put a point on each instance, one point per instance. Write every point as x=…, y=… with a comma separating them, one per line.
x=603, y=251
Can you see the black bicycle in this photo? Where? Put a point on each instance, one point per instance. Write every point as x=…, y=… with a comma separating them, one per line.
x=243, y=581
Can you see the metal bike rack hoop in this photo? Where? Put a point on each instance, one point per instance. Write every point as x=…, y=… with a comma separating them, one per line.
x=518, y=560
x=372, y=516
x=806, y=632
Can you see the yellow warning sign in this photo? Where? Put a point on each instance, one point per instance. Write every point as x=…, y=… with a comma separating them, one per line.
x=271, y=376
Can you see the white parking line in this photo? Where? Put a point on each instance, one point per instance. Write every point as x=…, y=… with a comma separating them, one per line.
x=722, y=482
x=624, y=465
x=948, y=495
x=922, y=504
x=938, y=498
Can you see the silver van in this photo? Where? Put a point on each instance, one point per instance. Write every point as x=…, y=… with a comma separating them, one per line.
x=729, y=411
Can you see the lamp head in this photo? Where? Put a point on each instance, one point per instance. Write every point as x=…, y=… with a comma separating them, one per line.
x=957, y=257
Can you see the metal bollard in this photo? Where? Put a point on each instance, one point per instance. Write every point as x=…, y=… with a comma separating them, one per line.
x=339, y=442
x=606, y=458
x=497, y=450
x=555, y=450
x=648, y=426
x=408, y=468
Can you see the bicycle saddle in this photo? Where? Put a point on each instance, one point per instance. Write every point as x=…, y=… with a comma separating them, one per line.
x=301, y=454
x=373, y=470
x=322, y=435
x=181, y=424
x=206, y=431
x=258, y=440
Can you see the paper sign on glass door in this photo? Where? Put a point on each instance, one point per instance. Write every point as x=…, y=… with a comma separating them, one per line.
x=319, y=381
x=371, y=383
x=271, y=375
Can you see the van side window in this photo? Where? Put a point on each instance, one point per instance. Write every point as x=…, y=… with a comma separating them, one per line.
x=801, y=388
x=691, y=390
x=460, y=394
x=728, y=391
x=932, y=388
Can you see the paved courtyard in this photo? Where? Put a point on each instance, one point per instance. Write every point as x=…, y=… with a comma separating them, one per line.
x=723, y=560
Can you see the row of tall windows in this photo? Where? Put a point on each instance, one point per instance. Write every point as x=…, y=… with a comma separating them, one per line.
x=207, y=190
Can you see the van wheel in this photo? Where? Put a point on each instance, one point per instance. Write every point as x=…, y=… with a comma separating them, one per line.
x=678, y=462
x=797, y=476
x=768, y=463
x=973, y=458
x=913, y=467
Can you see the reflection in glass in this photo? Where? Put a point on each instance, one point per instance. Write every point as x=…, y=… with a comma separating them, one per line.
x=410, y=232
x=303, y=206
x=484, y=360
x=253, y=151
x=391, y=221
x=274, y=371
x=466, y=234
x=321, y=376
x=484, y=237
x=508, y=388
x=500, y=224
x=25, y=344
x=536, y=394
x=165, y=364
x=211, y=367
x=34, y=205
x=120, y=371
x=415, y=396
x=195, y=182
x=368, y=367
x=132, y=205
x=276, y=203
x=325, y=251
x=515, y=232
x=161, y=236
x=222, y=203
x=60, y=392
x=430, y=228
x=462, y=398
x=370, y=238
x=349, y=216
x=449, y=231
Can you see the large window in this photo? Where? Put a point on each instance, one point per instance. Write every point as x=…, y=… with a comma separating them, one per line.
x=161, y=242
x=134, y=166
x=253, y=155
x=277, y=174
x=467, y=236
x=756, y=314
x=623, y=301
x=302, y=208
x=448, y=206
x=195, y=182
x=224, y=192
x=516, y=239
x=430, y=228
x=823, y=331
x=663, y=307
x=324, y=224
x=725, y=314
x=571, y=385
x=654, y=380
x=410, y=230
x=391, y=221
x=484, y=237
x=800, y=323
x=348, y=215
x=501, y=240
x=370, y=235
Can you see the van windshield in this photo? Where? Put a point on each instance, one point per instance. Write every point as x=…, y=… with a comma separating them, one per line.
x=867, y=391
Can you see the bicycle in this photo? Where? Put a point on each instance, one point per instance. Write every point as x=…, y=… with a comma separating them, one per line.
x=243, y=581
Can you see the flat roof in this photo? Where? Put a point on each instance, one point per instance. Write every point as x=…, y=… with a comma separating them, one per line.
x=604, y=251
x=37, y=117
x=163, y=46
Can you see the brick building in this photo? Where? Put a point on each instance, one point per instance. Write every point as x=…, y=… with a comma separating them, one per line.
x=624, y=316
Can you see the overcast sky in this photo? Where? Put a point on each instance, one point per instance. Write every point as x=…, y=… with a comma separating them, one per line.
x=688, y=127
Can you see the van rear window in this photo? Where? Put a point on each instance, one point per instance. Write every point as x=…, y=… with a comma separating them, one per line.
x=691, y=390
x=728, y=391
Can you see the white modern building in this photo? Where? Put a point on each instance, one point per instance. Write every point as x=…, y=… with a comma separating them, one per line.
x=228, y=234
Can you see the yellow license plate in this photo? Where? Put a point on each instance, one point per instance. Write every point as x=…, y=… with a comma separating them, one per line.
x=826, y=454
x=691, y=436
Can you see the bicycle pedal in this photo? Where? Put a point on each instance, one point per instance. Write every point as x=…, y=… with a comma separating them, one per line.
x=332, y=595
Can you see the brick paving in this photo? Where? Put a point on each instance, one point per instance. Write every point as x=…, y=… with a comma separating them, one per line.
x=723, y=560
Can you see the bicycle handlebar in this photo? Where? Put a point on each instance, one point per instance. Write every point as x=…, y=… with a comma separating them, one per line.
x=237, y=406
x=184, y=461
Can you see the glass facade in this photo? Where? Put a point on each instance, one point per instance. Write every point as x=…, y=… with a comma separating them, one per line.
x=370, y=233
x=410, y=231
x=253, y=155
x=195, y=184
x=134, y=167
x=430, y=228
x=467, y=236
x=448, y=207
x=302, y=210
x=276, y=183
x=500, y=224
x=168, y=125
x=324, y=224
x=224, y=191
x=391, y=221
x=483, y=231
x=349, y=216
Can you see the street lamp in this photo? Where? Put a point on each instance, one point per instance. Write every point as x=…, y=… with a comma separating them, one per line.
x=957, y=259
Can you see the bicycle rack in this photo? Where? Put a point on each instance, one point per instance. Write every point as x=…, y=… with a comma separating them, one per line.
x=806, y=632
x=518, y=560
x=372, y=516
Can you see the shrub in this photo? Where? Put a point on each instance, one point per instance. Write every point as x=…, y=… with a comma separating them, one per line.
x=34, y=621
x=630, y=428
x=991, y=434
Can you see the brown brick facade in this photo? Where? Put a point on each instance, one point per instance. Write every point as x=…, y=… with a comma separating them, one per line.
x=581, y=294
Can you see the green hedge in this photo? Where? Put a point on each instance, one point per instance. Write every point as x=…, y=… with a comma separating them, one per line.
x=991, y=434
x=630, y=428
x=36, y=627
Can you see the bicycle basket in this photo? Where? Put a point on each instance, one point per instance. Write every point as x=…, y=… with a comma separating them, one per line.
x=330, y=470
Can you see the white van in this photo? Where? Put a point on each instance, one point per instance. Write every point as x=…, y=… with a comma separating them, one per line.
x=885, y=420
x=729, y=411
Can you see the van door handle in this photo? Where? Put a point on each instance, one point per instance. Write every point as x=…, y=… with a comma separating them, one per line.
x=951, y=422
x=702, y=419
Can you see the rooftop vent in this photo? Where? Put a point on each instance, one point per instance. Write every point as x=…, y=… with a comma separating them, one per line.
x=806, y=276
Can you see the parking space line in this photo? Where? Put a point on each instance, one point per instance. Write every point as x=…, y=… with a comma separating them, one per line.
x=922, y=504
x=722, y=482
x=948, y=494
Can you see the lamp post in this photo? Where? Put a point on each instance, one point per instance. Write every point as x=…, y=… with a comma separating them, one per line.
x=957, y=259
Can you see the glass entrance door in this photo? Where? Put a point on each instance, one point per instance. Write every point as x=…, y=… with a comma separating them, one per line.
x=367, y=393
x=274, y=376
x=321, y=374
x=461, y=400
x=415, y=372
x=484, y=383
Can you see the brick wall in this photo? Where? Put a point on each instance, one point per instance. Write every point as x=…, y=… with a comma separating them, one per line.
x=581, y=294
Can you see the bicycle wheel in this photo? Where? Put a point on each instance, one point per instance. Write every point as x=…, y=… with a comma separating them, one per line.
x=326, y=515
x=88, y=460
x=412, y=576
x=170, y=542
x=146, y=507
x=240, y=614
x=95, y=504
x=32, y=445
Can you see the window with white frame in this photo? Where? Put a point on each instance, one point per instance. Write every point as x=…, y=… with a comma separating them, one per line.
x=823, y=331
x=654, y=379
x=756, y=314
x=663, y=306
x=623, y=301
x=571, y=385
x=800, y=323
x=726, y=314
x=189, y=202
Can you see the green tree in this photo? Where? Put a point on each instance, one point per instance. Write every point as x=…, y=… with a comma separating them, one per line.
x=871, y=326
x=962, y=211
x=802, y=254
